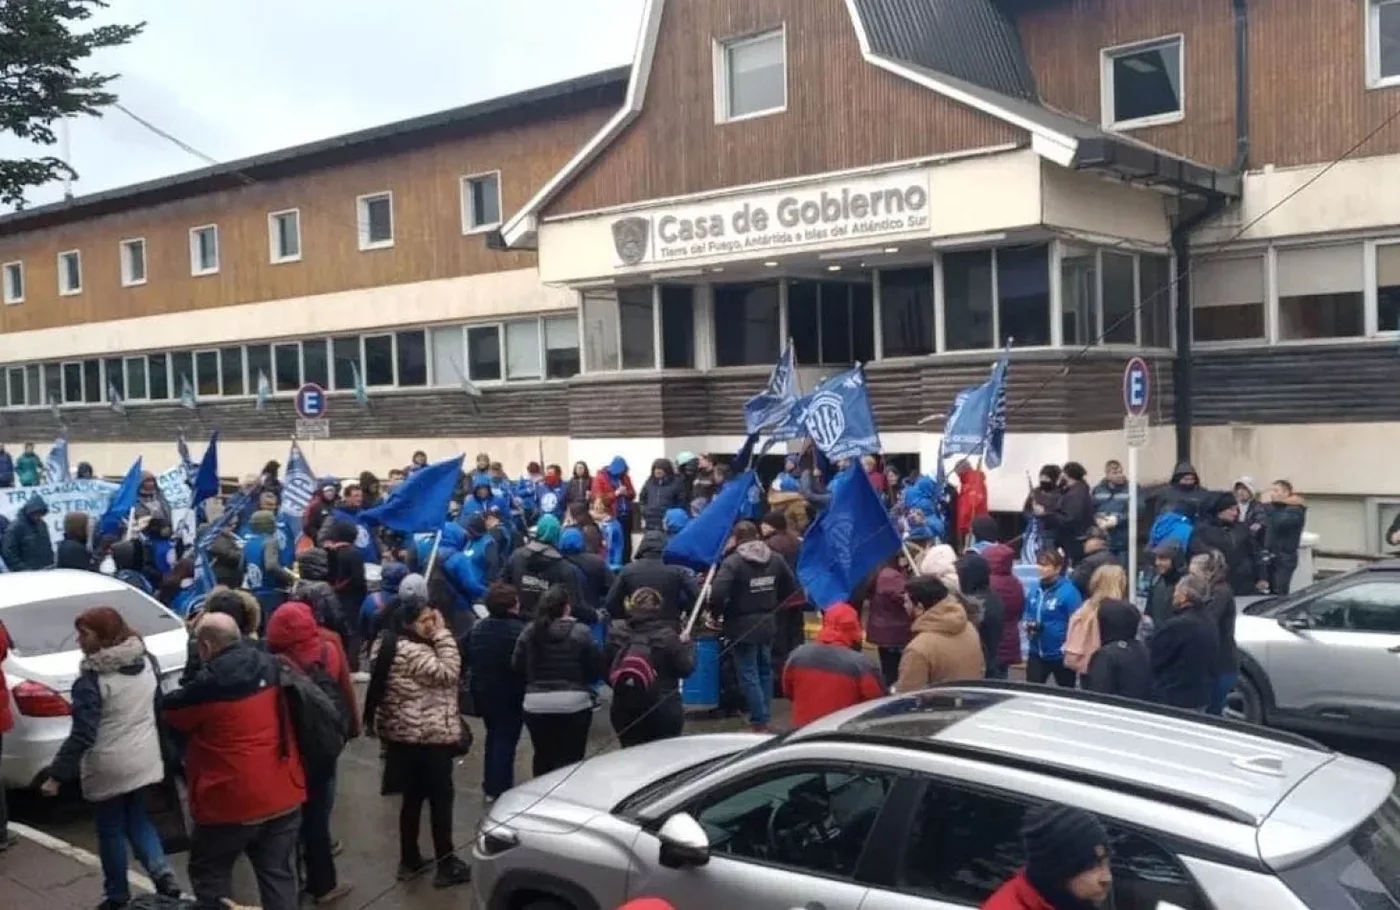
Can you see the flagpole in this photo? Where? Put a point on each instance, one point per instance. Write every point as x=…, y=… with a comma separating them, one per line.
x=130, y=523
x=432, y=556
x=699, y=602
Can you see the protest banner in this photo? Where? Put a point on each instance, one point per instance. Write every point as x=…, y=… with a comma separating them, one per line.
x=87, y=496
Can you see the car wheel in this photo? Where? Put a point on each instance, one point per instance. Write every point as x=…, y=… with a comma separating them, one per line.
x=1244, y=701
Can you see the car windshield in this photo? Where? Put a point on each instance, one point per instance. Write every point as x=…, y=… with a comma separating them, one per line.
x=46, y=626
x=636, y=801
x=1360, y=873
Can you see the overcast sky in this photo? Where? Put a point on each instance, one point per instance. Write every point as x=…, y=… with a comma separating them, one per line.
x=237, y=77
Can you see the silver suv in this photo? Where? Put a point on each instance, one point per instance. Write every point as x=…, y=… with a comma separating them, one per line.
x=915, y=801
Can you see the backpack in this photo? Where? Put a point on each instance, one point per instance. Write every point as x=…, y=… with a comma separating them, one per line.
x=1171, y=527
x=633, y=678
x=319, y=719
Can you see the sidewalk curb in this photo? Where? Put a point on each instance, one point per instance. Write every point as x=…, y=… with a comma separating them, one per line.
x=76, y=853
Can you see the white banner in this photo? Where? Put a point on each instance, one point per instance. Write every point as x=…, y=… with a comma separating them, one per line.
x=174, y=485
x=87, y=496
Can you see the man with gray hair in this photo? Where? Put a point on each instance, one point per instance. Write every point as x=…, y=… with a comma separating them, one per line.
x=1213, y=569
x=244, y=770
x=1183, y=649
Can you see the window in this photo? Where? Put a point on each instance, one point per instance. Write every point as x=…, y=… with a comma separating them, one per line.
x=133, y=262
x=812, y=819
x=1023, y=295
x=284, y=235
x=181, y=370
x=92, y=382
x=831, y=322
x=15, y=381
x=1079, y=296
x=481, y=202
x=53, y=383
x=376, y=219
x=33, y=386
x=345, y=354
x=483, y=353
x=677, y=327
x=204, y=250
x=560, y=347
x=315, y=366
x=72, y=383
x=1361, y=871
x=286, y=367
x=1388, y=287
x=967, y=300
x=445, y=353
x=259, y=365
x=906, y=312
x=70, y=273
x=1119, y=299
x=135, y=378
x=113, y=369
x=206, y=373
x=1155, y=292
x=379, y=360
x=747, y=325
x=636, y=328
x=1227, y=299
x=14, y=282
x=411, y=349
x=523, y=349
x=231, y=371
x=1142, y=84
x=600, y=331
x=1320, y=292
x=1383, y=51
x=619, y=327
x=751, y=76
x=1372, y=606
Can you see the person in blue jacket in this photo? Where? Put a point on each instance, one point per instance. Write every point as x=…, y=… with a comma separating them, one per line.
x=372, y=611
x=675, y=521
x=472, y=563
x=1048, y=610
x=553, y=492
x=790, y=480
x=482, y=474
x=610, y=530
x=920, y=492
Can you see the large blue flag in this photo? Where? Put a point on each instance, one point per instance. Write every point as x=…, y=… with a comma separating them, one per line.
x=837, y=417
x=122, y=501
x=847, y=542
x=56, y=465
x=298, y=486
x=768, y=411
x=206, y=474
x=420, y=502
x=700, y=544
x=977, y=420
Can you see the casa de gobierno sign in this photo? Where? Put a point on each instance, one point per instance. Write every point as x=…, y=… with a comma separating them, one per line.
x=776, y=221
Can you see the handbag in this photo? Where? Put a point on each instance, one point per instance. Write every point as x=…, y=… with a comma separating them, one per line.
x=465, y=738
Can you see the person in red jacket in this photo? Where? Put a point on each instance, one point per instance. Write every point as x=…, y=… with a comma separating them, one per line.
x=243, y=767
x=1013, y=596
x=7, y=723
x=613, y=485
x=830, y=673
x=1067, y=863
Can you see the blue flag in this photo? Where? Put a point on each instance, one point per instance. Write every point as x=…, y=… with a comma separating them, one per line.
x=236, y=510
x=838, y=419
x=700, y=543
x=298, y=486
x=122, y=501
x=847, y=542
x=206, y=473
x=1031, y=543
x=420, y=502
x=977, y=420
x=56, y=465
x=767, y=412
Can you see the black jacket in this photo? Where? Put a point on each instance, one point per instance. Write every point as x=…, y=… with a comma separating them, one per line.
x=562, y=657
x=26, y=545
x=596, y=579
x=748, y=587
x=1183, y=652
x=1072, y=515
x=533, y=568
x=73, y=554
x=1283, y=528
x=1172, y=496
x=1159, y=598
x=1222, y=610
x=1084, y=570
x=658, y=496
x=1121, y=666
x=489, y=654
x=672, y=659
x=1237, y=545
x=347, y=578
x=676, y=585
x=989, y=624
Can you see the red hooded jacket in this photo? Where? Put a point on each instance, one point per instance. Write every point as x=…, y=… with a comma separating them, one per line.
x=1008, y=587
x=293, y=633
x=7, y=717
x=829, y=674
x=972, y=499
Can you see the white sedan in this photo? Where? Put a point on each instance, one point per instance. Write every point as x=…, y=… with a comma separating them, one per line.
x=38, y=609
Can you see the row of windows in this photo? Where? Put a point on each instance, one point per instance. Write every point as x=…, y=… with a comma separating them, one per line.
x=481, y=211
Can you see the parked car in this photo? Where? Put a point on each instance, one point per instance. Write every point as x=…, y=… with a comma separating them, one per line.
x=1326, y=659
x=38, y=609
x=915, y=801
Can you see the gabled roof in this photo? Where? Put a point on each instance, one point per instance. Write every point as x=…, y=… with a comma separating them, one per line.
x=965, y=50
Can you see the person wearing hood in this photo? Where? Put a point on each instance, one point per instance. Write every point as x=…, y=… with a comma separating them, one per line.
x=113, y=748
x=26, y=545
x=829, y=674
x=748, y=588
x=320, y=507
x=538, y=565
x=1284, y=514
x=1110, y=497
x=675, y=521
x=789, y=480
x=497, y=689
x=646, y=662
x=560, y=662
x=1012, y=593
x=975, y=579
x=1096, y=553
x=29, y=468
x=376, y=605
x=1045, y=497
x=945, y=645
x=370, y=492
x=73, y=551
x=469, y=563
x=613, y=485
x=128, y=560
x=150, y=501
x=552, y=494
x=1221, y=529
x=1251, y=506
x=1184, y=486
x=263, y=573
x=1184, y=648
x=675, y=585
x=611, y=537
x=7, y=469
x=1121, y=665
x=85, y=471
x=663, y=491
x=597, y=577
x=1049, y=609
x=1067, y=863
x=1168, y=565
x=313, y=587
x=481, y=500
x=985, y=533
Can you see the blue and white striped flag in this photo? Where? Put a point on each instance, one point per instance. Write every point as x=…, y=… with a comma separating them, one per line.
x=1031, y=543
x=56, y=465
x=264, y=390
x=114, y=399
x=188, y=399
x=298, y=486
x=361, y=394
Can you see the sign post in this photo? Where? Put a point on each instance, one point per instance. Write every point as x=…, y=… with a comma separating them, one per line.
x=311, y=413
x=1137, y=387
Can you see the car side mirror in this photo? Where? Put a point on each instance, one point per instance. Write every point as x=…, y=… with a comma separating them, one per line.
x=683, y=842
x=1295, y=623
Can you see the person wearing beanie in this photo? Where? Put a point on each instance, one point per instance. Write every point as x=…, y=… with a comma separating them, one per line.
x=537, y=565
x=826, y=675
x=414, y=585
x=984, y=533
x=1067, y=863
x=941, y=562
x=596, y=576
x=263, y=572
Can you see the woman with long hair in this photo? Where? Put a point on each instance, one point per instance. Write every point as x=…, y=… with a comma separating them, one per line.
x=560, y=661
x=113, y=749
x=411, y=705
x=1108, y=582
x=580, y=485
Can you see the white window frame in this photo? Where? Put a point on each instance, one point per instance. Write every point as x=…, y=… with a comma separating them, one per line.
x=195, y=268
x=1106, y=100
x=274, y=253
x=9, y=268
x=362, y=221
x=469, y=223
x=393, y=359
x=63, y=273
x=720, y=63
x=1374, y=79
x=124, y=249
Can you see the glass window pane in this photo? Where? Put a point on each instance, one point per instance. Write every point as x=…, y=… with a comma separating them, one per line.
x=1227, y=299
x=677, y=327
x=1119, y=304
x=315, y=364
x=483, y=353
x=757, y=79
x=5, y=388
x=748, y=330
x=92, y=381
x=1388, y=279
x=1023, y=292
x=863, y=322
x=53, y=383
x=376, y=221
x=523, y=349
x=600, y=331
x=287, y=235
x=135, y=377
x=346, y=351
x=206, y=368
x=231, y=371
x=561, y=347
x=804, y=320
x=1388, y=38
x=1155, y=289
x=906, y=312
x=967, y=300
x=379, y=360
x=1079, y=288
x=16, y=384
x=33, y=386
x=448, y=367
x=181, y=369
x=286, y=366
x=413, y=357
x=836, y=323
x=638, y=331
x=1320, y=292
x=72, y=384
x=114, y=378
x=1147, y=82
x=485, y=200
x=259, y=366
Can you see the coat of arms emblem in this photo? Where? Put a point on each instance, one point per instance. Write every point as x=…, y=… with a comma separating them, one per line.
x=630, y=239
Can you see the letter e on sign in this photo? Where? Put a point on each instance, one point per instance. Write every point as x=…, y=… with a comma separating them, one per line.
x=311, y=402
x=1137, y=386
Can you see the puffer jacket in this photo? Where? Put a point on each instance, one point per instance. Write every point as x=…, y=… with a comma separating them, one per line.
x=533, y=568
x=26, y=545
x=672, y=658
x=657, y=497
x=1013, y=599
x=419, y=704
x=945, y=647
x=562, y=657
x=675, y=585
x=748, y=587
